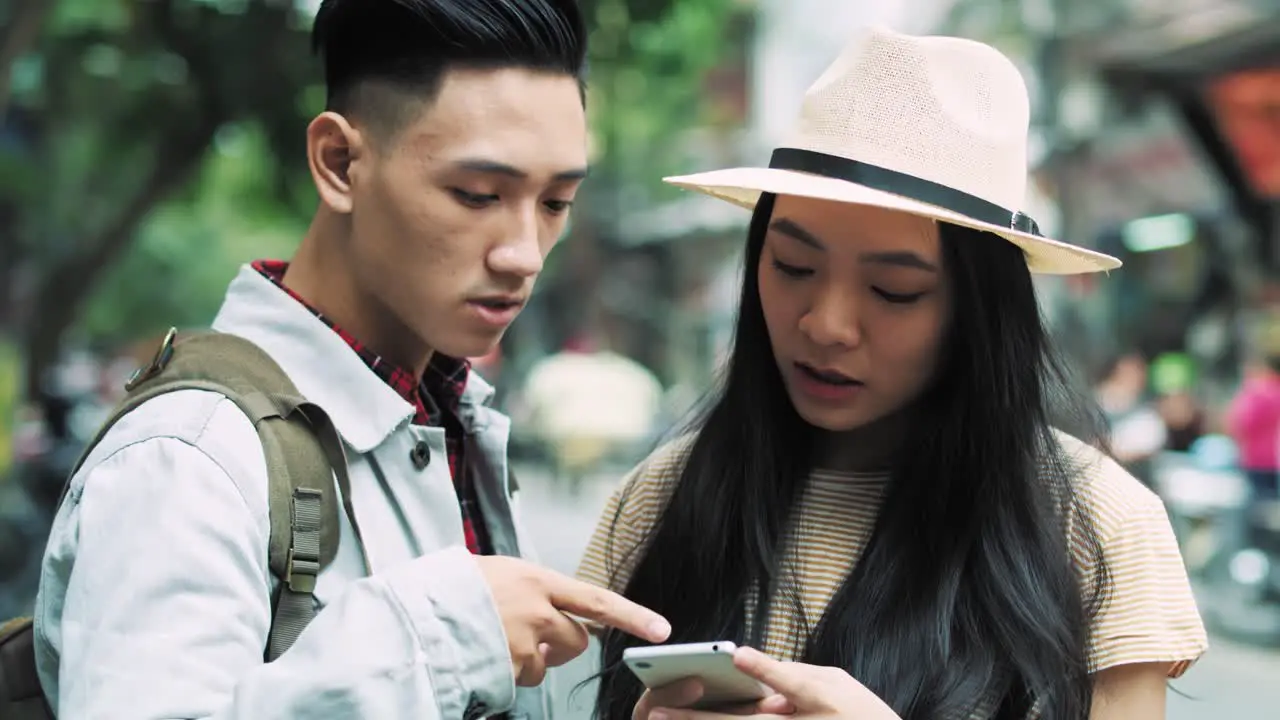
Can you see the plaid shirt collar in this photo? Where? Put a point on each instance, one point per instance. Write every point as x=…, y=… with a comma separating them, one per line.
x=441, y=387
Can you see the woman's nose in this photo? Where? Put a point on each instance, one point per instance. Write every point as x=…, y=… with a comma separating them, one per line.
x=832, y=320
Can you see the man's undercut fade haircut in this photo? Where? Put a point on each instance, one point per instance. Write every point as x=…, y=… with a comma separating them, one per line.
x=383, y=58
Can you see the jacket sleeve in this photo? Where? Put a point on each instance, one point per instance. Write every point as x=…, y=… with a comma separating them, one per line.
x=166, y=612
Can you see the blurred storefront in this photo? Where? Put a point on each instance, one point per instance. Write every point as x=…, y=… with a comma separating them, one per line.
x=698, y=238
x=1217, y=64
x=1160, y=122
x=1141, y=189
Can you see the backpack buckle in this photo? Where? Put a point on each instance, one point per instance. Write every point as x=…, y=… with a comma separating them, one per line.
x=161, y=359
x=300, y=572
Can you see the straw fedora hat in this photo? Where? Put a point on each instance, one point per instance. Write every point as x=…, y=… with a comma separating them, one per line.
x=932, y=126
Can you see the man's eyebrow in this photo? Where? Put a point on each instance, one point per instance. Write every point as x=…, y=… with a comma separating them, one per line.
x=493, y=167
x=792, y=230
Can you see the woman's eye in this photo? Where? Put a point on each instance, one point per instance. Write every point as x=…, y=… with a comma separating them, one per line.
x=793, y=271
x=473, y=200
x=898, y=298
x=558, y=206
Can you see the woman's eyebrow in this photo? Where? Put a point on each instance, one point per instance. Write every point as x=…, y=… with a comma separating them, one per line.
x=792, y=230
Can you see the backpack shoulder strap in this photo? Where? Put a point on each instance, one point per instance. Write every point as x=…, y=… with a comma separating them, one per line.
x=20, y=695
x=303, y=450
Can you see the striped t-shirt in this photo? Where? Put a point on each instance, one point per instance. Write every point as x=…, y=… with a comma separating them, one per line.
x=1151, y=615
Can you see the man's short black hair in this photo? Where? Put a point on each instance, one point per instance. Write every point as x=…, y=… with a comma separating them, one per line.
x=407, y=46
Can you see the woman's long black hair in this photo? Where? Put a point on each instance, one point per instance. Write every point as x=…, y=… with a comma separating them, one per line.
x=967, y=590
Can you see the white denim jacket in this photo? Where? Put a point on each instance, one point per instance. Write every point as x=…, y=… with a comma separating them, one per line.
x=155, y=592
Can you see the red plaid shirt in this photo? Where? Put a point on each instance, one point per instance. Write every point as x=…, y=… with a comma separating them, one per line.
x=435, y=399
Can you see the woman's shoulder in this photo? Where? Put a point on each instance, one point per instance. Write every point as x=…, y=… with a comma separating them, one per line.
x=653, y=479
x=1111, y=493
x=628, y=518
x=666, y=462
x=1149, y=611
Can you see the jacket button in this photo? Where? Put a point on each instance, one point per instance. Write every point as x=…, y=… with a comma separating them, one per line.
x=420, y=455
x=475, y=709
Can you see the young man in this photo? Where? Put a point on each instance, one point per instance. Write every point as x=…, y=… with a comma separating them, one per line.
x=447, y=159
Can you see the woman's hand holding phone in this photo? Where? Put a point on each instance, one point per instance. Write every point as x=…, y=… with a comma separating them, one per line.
x=807, y=692
x=685, y=693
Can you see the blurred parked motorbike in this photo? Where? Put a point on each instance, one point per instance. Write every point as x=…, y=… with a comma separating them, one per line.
x=1229, y=538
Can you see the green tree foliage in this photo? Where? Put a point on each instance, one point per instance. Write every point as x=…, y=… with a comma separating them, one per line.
x=113, y=114
x=650, y=60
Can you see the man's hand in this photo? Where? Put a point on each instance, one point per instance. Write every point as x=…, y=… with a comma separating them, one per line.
x=539, y=610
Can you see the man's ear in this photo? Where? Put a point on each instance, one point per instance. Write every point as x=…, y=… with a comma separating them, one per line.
x=333, y=147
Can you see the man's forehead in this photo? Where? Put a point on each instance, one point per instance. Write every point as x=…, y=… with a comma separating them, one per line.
x=541, y=137
x=513, y=153
x=468, y=97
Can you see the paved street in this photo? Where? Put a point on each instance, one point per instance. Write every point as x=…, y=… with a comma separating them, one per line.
x=1232, y=682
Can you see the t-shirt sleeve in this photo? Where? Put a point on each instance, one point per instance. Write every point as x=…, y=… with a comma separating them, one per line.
x=1149, y=614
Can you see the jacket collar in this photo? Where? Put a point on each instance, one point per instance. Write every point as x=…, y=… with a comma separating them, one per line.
x=474, y=410
x=364, y=409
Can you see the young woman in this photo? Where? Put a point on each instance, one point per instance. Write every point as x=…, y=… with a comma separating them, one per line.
x=877, y=490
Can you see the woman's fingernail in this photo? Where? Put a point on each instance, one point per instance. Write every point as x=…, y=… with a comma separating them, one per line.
x=659, y=715
x=660, y=630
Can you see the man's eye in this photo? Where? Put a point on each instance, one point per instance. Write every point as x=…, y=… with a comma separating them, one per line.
x=473, y=200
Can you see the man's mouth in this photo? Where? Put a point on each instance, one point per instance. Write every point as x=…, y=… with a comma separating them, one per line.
x=498, y=303
x=829, y=377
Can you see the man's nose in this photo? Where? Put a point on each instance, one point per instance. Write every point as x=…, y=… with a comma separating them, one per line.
x=520, y=253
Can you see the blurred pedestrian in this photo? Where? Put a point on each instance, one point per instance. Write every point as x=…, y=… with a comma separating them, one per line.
x=1253, y=421
x=587, y=405
x=1173, y=381
x=1136, y=430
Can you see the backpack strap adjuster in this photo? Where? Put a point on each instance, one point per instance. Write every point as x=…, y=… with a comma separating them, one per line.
x=301, y=573
x=302, y=564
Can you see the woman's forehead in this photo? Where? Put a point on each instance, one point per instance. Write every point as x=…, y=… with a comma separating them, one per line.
x=840, y=226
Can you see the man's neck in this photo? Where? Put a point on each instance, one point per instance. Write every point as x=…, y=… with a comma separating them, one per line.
x=320, y=275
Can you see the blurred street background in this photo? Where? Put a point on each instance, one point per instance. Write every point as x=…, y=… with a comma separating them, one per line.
x=149, y=147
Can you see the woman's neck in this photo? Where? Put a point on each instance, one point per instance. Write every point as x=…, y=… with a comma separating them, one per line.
x=870, y=448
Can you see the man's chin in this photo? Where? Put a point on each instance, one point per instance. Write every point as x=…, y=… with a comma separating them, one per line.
x=471, y=347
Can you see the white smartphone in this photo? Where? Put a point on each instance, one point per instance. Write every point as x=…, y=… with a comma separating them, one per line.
x=712, y=663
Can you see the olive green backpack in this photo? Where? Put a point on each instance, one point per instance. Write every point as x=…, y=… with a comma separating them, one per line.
x=304, y=456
